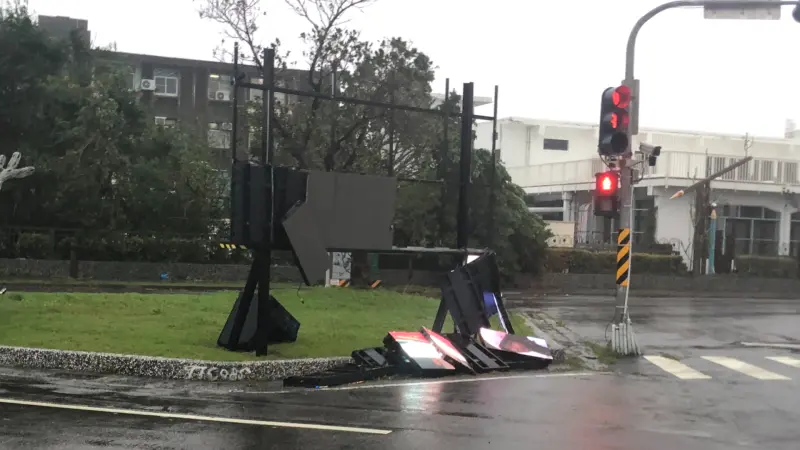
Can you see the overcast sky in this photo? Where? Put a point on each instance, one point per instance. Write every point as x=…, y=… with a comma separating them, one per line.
x=551, y=58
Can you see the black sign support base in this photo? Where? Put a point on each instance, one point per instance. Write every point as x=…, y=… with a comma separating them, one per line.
x=462, y=297
x=231, y=336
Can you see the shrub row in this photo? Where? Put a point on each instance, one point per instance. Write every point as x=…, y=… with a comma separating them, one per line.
x=585, y=261
x=119, y=248
x=768, y=267
x=154, y=249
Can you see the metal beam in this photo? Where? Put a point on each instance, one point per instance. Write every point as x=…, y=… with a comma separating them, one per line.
x=711, y=177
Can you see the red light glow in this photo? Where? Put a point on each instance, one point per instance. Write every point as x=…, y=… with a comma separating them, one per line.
x=606, y=182
x=621, y=97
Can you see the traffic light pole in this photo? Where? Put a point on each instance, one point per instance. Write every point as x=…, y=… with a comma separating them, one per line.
x=622, y=340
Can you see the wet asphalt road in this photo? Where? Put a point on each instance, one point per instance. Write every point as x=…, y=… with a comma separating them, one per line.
x=639, y=407
x=682, y=324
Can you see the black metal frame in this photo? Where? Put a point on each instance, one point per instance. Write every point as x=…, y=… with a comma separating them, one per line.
x=259, y=275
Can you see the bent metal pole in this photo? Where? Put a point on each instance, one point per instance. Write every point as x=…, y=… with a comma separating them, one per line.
x=626, y=198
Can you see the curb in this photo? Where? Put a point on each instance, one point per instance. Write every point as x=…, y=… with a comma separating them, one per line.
x=542, y=294
x=165, y=368
x=114, y=288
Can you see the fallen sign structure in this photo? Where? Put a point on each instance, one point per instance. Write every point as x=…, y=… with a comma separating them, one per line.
x=308, y=213
x=470, y=293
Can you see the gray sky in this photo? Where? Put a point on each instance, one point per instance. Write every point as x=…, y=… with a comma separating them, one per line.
x=551, y=58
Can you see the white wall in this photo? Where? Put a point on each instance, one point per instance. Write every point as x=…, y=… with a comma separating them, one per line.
x=674, y=221
x=522, y=144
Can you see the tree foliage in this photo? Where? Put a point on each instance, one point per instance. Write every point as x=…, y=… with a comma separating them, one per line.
x=101, y=164
x=336, y=136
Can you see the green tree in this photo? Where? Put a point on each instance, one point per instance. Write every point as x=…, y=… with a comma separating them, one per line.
x=325, y=135
x=101, y=166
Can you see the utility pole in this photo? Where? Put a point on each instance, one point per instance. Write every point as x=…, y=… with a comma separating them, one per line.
x=622, y=340
x=703, y=211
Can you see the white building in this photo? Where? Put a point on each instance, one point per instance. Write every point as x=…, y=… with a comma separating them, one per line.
x=555, y=163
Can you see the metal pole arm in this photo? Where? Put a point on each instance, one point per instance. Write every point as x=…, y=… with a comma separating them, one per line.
x=631, y=48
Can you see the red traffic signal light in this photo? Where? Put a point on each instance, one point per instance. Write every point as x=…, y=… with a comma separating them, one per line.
x=606, y=183
x=614, y=121
x=606, y=187
x=621, y=97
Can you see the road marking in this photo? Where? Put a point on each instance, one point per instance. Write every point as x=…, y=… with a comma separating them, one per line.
x=192, y=417
x=788, y=360
x=430, y=382
x=771, y=345
x=676, y=368
x=745, y=368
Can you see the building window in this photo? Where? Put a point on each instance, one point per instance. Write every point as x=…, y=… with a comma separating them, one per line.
x=131, y=78
x=749, y=230
x=166, y=122
x=220, y=88
x=556, y=144
x=257, y=94
x=219, y=135
x=167, y=82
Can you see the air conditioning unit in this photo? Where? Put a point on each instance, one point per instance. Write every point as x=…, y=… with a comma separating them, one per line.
x=148, y=85
x=223, y=95
x=227, y=126
x=161, y=121
x=212, y=95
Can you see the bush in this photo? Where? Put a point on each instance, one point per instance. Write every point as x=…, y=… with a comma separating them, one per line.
x=768, y=267
x=120, y=247
x=569, y=260
x=33, y=246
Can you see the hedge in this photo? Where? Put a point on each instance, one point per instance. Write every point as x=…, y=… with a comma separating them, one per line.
x=768, y=267
x=194, y=250
x=119, y=248
x=570, y=260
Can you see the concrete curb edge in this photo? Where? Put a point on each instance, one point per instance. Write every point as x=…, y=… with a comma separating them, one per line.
x=165, y=368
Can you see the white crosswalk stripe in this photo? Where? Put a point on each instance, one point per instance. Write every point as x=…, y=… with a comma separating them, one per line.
x=676, y=368
x=745, y=368
x=683, y=371
x=788, y=360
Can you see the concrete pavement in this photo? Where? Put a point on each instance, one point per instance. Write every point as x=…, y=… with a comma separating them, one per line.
x=632, y=410
x=671, y=323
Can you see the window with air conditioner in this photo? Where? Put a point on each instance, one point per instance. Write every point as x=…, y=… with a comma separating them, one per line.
x=220, y=88
x=166, y=122
x=167, y=82
x=219, y=135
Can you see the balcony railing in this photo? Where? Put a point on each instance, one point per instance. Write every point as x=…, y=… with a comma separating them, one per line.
x=670, y=165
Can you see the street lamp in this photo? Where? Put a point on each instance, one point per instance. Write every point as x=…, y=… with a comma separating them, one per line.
x=722, y=9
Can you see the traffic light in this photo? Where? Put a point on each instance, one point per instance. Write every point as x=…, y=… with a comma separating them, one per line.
x=615, y=118
x=606, y=194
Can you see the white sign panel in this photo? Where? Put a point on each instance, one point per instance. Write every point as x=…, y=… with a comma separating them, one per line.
x=341, y=265
x=730, y=11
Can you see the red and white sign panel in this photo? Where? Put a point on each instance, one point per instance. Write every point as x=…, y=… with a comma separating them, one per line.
x=445, y=346
x=522, y=345
x=417, y=347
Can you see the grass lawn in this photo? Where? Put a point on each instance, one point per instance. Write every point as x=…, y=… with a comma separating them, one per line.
x=333, y=321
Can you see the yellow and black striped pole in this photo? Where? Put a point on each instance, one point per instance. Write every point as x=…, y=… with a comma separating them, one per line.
x=623, y=256
x=227, y=246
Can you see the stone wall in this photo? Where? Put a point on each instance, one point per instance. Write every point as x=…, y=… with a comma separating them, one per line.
x=554, y=283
